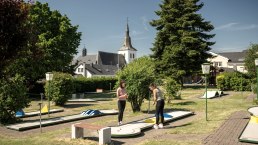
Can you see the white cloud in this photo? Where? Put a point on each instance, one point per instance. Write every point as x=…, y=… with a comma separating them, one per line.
x=145, y=23
x=226, y=26
x=236, y=27
x=136, y=33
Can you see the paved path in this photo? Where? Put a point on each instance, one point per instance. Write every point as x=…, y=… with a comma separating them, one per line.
x=229, y=131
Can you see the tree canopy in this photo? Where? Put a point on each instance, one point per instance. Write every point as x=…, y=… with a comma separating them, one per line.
x=182, y=38
x=14, y=33
x=54, y=44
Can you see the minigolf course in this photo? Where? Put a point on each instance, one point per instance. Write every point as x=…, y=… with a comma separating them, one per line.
x=44, y=110
x=135, y=128
x=57, y=120
x=212, y=94
x=250, y=133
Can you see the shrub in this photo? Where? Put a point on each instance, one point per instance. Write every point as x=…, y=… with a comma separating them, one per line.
x=138, y=75
x=172, y=88
x=60, y=88
x=12, y=98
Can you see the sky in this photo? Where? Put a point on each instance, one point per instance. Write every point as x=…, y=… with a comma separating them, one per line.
x=103, y=23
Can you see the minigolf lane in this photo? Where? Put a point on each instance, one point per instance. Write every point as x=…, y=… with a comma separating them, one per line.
x=135, y=128
x=53, y=121
x=253, y=111
x=250, y=133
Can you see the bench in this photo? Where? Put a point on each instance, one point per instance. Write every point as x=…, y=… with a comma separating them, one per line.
x=104, y=132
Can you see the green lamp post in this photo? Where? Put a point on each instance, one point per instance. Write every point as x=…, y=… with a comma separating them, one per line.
x=256, y=65
x=49, y=77
x=206, y=71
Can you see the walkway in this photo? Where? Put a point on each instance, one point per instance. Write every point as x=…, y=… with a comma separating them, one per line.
x=229, y=131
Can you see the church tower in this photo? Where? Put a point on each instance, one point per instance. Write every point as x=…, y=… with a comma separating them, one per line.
x=84, y=51
x=127, y=50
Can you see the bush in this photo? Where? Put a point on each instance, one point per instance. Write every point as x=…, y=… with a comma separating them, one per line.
x=60, y=88
x=233, y=81
x=83, y=84
x=172, y=88
x=12, y=98
x=137, y=75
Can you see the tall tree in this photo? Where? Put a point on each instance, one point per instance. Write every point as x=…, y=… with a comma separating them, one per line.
x=14, y=33
x=181, y=42
x=251, y=55
x=54, y=46
x=14, y=37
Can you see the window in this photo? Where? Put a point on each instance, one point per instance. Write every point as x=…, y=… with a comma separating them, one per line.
x=78, y=69
x=217, y=64
x=133, y=55
x=130, y=55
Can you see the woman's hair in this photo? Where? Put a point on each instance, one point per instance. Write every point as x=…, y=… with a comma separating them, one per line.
x=120, y=83
x=153, y=85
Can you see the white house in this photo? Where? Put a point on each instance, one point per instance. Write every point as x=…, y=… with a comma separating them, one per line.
x=229, y=61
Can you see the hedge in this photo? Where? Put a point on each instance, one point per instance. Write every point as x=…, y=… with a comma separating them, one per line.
x=83, y=84
x=233, y=81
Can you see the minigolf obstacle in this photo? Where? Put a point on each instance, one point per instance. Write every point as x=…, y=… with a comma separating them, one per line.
x=91, y=112
x=19, y=113
x=44, y=110
x=212, y=94
x=250, y=133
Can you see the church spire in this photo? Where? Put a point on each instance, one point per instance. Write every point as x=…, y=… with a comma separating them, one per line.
x=84, y=51
x=127, y=41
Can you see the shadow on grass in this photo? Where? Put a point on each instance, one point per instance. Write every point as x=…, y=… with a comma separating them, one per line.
x=165, y=110
x=185, y=103
x=169, y=127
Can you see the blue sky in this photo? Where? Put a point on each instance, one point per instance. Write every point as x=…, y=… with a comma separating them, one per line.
x=103, y=22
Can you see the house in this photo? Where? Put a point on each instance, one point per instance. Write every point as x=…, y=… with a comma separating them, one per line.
x=105, y=63
x=229, y=61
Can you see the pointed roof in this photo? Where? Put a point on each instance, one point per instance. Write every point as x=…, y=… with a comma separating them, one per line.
x=127, y=41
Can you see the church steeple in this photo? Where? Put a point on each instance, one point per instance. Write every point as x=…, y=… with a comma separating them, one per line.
x=127, y=50
x=127, y=41
x=84, y=51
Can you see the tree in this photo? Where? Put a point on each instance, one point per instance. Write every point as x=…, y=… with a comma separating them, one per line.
x=181, y=42
x=12, y=98
x=14, y=37
x=60, y=89
x=137, y=75
x=251, y=55
x=14, y=33
x=54, y=46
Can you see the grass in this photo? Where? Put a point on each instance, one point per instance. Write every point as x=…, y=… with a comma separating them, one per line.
x=218, y=112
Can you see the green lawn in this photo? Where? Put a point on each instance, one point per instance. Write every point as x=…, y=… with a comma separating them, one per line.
x=218, y=111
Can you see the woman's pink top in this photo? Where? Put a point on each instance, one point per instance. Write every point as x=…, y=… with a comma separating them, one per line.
x=120, y=92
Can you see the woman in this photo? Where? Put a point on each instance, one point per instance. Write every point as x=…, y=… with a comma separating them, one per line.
x=160, y=103
x=121, y=95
